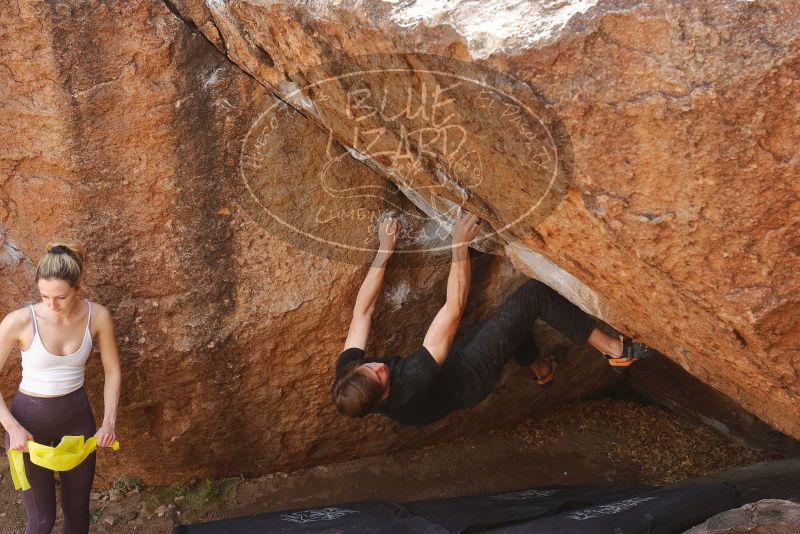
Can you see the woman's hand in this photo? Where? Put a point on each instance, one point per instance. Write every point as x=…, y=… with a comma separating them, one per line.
x=19, y=438
x=465, y=229
x=387, y=234
x=106, y=435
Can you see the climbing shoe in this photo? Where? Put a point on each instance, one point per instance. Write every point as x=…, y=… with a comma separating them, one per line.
x=631, y=351
x=552, y=360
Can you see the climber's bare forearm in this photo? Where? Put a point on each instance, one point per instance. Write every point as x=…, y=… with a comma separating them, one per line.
x=371, y=287
x=366, y=299
x=442, y=331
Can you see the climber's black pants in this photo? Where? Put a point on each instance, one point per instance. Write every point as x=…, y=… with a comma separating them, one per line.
x=478, y=357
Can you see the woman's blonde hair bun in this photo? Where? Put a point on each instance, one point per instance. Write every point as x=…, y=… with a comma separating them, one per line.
x=63, y=260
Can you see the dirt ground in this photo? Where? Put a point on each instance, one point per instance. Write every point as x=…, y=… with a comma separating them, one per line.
x=603, y=442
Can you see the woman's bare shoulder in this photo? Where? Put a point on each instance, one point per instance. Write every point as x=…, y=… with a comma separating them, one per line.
x=99, y=310
x=101, y=316
x=17, y=320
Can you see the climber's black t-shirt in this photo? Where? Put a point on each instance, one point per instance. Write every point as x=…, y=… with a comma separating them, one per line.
x=418, y=391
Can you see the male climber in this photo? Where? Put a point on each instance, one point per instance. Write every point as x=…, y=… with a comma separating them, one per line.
x=439, y=377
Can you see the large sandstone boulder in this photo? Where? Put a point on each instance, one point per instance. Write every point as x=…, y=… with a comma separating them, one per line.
x=671, y=128
x=639, y=158
x=123, y=127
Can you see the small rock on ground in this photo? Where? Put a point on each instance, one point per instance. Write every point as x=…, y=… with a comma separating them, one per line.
x=769, y=515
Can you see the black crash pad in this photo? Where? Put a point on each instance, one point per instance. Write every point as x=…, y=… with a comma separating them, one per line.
x=368, y=517
x=659, y=511
x=471, y=514
x=561, y=509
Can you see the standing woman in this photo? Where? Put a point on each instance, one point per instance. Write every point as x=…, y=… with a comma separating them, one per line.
x=55, y=339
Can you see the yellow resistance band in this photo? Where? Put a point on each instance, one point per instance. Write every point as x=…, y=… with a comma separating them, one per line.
x=65, y=456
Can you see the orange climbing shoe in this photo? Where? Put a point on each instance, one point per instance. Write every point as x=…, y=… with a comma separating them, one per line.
x=632, y=351
x=552, y=360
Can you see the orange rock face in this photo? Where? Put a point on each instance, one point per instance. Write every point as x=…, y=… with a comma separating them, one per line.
x=682, y=221
x=124, y=128
x=226, y=163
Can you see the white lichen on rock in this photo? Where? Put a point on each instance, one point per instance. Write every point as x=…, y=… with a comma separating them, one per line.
x=537, y=266
x=398, y=295
x=9, y=253
x=295, y=96
x=488, y=26
x=494, y=25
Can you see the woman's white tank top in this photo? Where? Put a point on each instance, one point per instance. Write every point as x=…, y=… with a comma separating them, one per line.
x=44, y=373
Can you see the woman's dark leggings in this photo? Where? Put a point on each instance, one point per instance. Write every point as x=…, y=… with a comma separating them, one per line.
x=478, y=357
x=50, y=419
